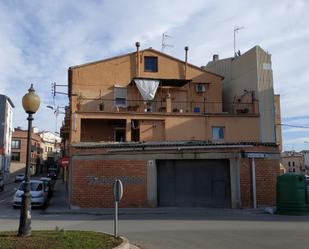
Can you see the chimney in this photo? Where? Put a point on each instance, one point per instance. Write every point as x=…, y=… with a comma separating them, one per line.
x=137, y=44
x=215, y=57
x=186, y=60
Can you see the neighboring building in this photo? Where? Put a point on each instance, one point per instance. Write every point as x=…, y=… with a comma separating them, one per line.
x=293, y=162
x=250, y=75
x=6, y=128
x=306, y=159
x=19, y=150
x=278, y=122
x=50, y=144
x=161, y=126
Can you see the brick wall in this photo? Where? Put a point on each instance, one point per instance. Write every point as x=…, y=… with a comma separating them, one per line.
x=266, y=178
x=22, y=136
x=92, y=187
x=245, y=183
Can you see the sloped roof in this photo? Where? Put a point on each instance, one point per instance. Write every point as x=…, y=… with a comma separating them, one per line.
x=141, y=51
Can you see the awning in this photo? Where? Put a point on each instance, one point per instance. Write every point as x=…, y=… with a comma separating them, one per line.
x=147, y=87
x=167, y=82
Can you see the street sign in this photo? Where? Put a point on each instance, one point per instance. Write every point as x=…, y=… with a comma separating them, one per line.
x=117, y=190
x=261, y=155
x=64, y=162
x=255, y=155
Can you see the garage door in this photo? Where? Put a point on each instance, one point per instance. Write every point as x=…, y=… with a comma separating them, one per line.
x=193, y=183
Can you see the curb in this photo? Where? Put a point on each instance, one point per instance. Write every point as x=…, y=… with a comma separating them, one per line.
x=124, y=245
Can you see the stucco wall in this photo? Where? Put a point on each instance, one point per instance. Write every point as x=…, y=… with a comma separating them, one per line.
x=171, y=128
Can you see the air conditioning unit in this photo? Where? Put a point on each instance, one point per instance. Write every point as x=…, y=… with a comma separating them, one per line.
x=200, y=88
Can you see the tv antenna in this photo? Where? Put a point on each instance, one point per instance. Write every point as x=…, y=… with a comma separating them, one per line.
x=236, y=29
x=54, y=89
x=164, y=43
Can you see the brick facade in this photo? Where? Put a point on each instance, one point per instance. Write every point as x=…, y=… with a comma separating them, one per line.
x=92, y=183
x=266, y=178
x=92, y=176
x=21, y=136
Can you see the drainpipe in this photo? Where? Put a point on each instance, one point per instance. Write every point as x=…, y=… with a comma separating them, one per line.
x=186, y=60
x=253, y=183
x=137, y=44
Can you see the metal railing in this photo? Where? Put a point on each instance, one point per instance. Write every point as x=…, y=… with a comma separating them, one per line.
x=160, y=106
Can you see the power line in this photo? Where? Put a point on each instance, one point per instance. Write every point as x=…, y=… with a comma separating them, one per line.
x=295, y=126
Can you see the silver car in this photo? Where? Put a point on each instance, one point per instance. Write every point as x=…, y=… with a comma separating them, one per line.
x=19, y=177
x=38, y=192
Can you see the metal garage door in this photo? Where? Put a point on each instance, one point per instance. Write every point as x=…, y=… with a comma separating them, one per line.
x=193, y=183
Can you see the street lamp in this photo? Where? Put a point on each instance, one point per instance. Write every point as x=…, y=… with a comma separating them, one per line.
x=31, y=103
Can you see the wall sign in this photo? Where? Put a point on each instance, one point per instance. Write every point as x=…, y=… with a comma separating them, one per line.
x=109, y=180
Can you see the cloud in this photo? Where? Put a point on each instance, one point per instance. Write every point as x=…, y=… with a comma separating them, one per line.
x=41, y=39
x=299, y=140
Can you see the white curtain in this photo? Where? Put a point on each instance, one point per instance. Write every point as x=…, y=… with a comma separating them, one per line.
x=147, y=88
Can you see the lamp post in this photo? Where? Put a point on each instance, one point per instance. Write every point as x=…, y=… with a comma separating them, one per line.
x=31, y=103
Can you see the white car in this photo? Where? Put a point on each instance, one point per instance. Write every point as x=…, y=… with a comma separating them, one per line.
x=20, y=178
x=38, y=192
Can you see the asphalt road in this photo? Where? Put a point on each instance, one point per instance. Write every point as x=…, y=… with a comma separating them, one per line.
x=177, y=228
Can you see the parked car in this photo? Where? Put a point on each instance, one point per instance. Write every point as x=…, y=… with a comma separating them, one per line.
x=1, y=184
x=38, y=192
x=52, y=173
x=19, y=177
x=50, y=184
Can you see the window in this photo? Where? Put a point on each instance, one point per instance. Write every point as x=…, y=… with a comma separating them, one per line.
x=217, y=133
x=200, y=88
x=266, y=66
x=15, y=156
x=150, y=64
x=293, y=163
x=120, y=96
x=15, y=144
x=289, y=164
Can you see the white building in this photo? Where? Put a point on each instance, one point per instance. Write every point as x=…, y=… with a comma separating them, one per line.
x=249, y=74
x=51, y=144
x=306, y=158
x=6, y=130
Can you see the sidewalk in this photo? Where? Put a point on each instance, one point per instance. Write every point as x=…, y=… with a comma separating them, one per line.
x=59, y=201
x=59, y=204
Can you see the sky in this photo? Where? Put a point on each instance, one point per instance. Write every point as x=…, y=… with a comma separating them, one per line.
x=40, y=40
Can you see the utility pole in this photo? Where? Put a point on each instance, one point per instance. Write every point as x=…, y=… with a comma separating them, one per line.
x=236, y=29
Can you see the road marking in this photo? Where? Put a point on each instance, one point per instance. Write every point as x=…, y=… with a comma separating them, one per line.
x=50, y=215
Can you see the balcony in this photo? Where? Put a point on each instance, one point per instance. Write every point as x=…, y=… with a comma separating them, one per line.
x=164, y=106
x=155, y=106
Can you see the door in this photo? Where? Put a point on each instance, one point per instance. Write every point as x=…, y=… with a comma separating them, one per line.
x=193, y=183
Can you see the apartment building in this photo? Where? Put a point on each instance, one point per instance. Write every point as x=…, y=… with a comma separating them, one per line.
x=161, y=126
x=250, y=74
x=19, y=150
x=293, y=162
x=51, y=145
x=6, y=129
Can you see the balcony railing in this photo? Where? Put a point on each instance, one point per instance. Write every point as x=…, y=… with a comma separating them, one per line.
x=141, y=106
